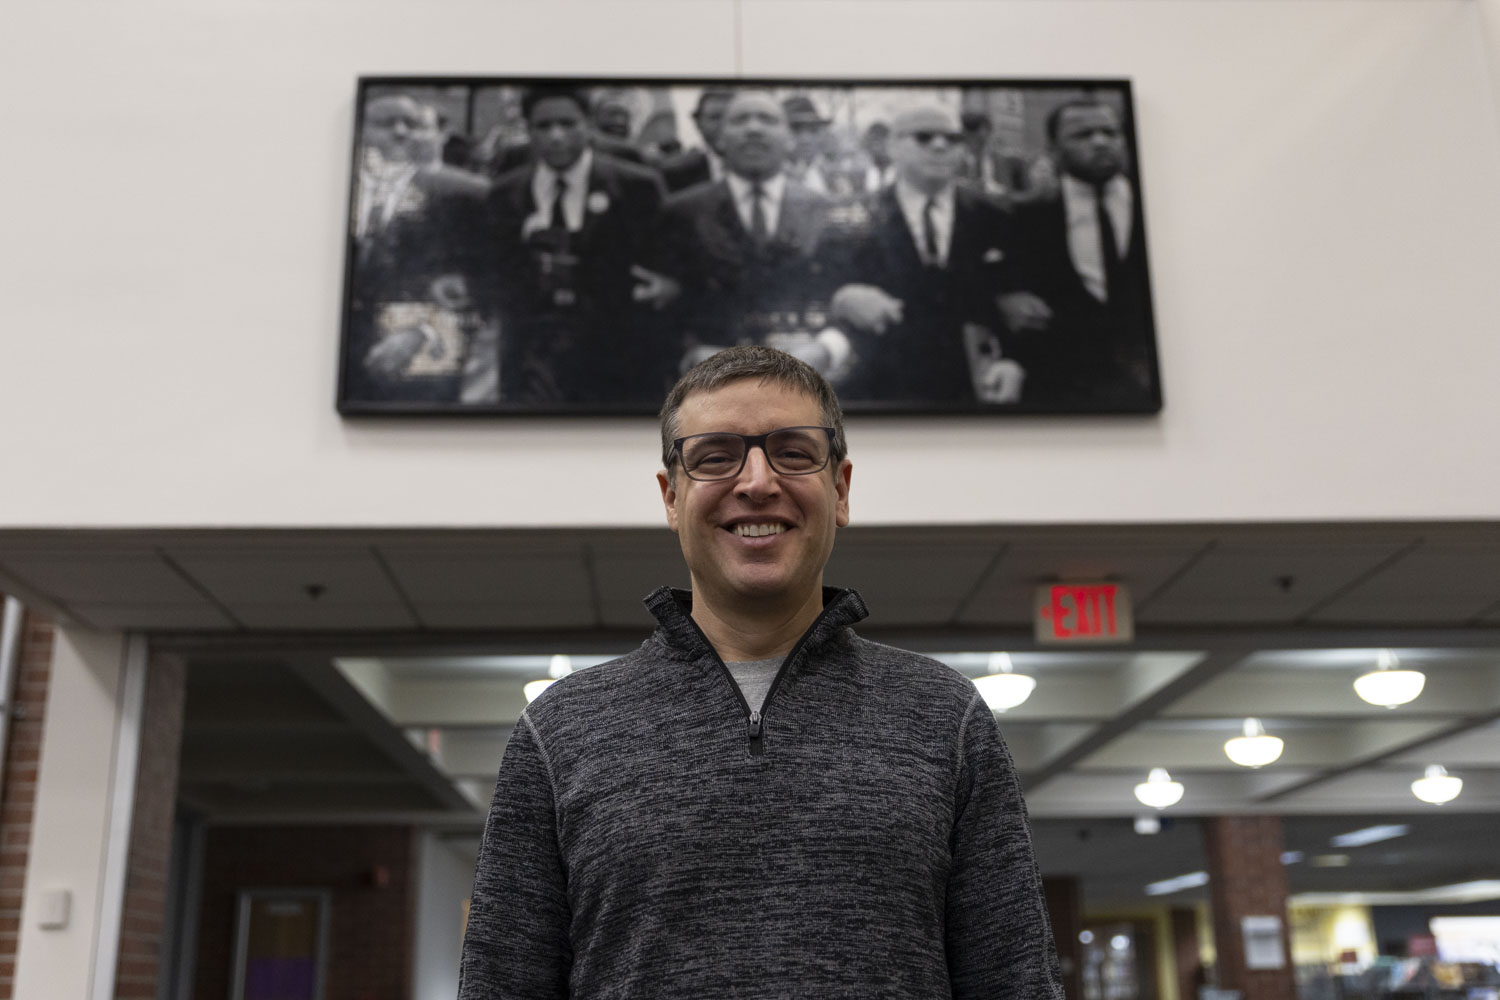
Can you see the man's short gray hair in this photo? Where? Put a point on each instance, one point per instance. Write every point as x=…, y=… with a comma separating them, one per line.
x=734, y=364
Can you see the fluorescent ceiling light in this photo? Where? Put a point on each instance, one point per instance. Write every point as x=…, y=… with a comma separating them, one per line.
x=1254, y=748
x=1370, y=835
x=1002, y=688
x=1170, y=885
x=1159, y=790
x=1461, y=892
x=1291, y=857
x=1387, y=684
x=1437, y=785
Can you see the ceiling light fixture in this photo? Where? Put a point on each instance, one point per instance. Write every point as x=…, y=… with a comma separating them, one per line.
x=1388, y=684
x=1159, y=790
x=560, y=666
x=1371, y=835
x=1002, y=688
x=1167, y=886
x=1254, y=748
x=1437, y=785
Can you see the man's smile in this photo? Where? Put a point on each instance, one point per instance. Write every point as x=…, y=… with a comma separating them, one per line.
x=757, y=529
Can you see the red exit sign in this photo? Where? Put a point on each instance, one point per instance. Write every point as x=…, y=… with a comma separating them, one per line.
x=1070, y=613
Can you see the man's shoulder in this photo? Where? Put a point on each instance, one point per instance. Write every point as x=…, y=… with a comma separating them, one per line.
x=449, y=180
x=699, y=197
x=624, y=171
x=913, y=674
x=584, y=693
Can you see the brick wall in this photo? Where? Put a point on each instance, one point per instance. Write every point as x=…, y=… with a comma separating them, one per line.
x=22, y=755
x=145, y=906
x=370, y=932
x=1247, y=878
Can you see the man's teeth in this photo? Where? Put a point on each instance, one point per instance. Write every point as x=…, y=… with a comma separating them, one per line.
x=756, y=530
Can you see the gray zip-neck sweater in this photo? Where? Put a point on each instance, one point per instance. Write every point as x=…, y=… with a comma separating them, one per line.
x=863, y=836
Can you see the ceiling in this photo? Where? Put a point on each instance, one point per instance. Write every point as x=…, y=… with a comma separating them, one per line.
x=374, y=675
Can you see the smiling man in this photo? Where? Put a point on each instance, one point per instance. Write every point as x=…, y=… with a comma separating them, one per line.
x=757, y=802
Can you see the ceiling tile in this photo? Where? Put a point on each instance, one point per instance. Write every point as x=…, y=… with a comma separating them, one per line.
x=186, y=617
x=325, y=616
x=469, y=574
x=282, y=576
x=906, y=582
x=508, y=615
x=1241, y=582
x=1445, y=584
x=625, y=574
x=1006, y=596
x=100, y=576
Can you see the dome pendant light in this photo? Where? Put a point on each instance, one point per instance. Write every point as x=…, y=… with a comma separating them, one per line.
x=1388, y=684
x=1437, y=785
x=1002, y=688
x=1159, y=790
x=1254, y=748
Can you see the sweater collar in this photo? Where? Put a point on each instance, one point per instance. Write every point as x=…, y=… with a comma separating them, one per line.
x=673, y=607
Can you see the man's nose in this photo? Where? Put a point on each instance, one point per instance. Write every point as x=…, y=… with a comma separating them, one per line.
x=757, y=479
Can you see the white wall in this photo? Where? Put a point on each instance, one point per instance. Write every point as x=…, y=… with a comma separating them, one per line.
x=80, y=827
x=1322, y=181
x=445, y=875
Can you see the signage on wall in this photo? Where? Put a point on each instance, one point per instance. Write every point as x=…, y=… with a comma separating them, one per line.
x=1083, y=613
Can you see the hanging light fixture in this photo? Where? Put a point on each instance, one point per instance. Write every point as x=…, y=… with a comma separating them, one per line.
x=1159, y=790
x=1388, y=684
x=560, y=666
x=1437, y=785
x=1254, y=748
x=1002, y=687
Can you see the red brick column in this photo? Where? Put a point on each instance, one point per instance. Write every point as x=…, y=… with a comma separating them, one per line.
x=1186, y=960
x=23, y=752
x=1246, y=878
x=1064, y=898
x=144, y=912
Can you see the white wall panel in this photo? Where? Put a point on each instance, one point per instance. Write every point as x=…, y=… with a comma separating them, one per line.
x=1323, y=218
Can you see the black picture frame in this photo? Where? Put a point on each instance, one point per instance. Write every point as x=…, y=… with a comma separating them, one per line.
x=465, y=295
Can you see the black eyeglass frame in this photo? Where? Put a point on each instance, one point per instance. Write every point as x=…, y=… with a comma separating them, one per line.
x=753, y=441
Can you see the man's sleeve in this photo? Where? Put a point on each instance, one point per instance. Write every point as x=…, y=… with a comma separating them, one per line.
x=517, y=942
x=999, y=939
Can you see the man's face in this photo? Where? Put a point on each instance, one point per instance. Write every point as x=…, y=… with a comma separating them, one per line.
x=755, y=138
x=928, y=150
x=613, y=120
x=808, y=138
x=558, y=132
x=401, y=130
x=710, y=119
x=1090, y=146
x=731, y=570
x=878, y=145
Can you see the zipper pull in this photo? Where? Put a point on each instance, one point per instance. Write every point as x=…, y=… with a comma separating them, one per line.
x=757, y=746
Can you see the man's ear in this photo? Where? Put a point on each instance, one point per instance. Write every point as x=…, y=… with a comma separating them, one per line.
x=668, y=497
x=841, y=489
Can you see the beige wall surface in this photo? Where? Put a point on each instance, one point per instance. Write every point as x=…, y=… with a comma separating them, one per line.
x=1322, y=204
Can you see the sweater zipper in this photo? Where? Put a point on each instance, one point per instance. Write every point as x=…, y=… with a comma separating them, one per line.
x=756, y=720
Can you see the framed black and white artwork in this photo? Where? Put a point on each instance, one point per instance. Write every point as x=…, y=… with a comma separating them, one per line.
x=571, y=246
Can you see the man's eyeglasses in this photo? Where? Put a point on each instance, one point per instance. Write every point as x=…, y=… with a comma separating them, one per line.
x=926, y=137
x=791, y=451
